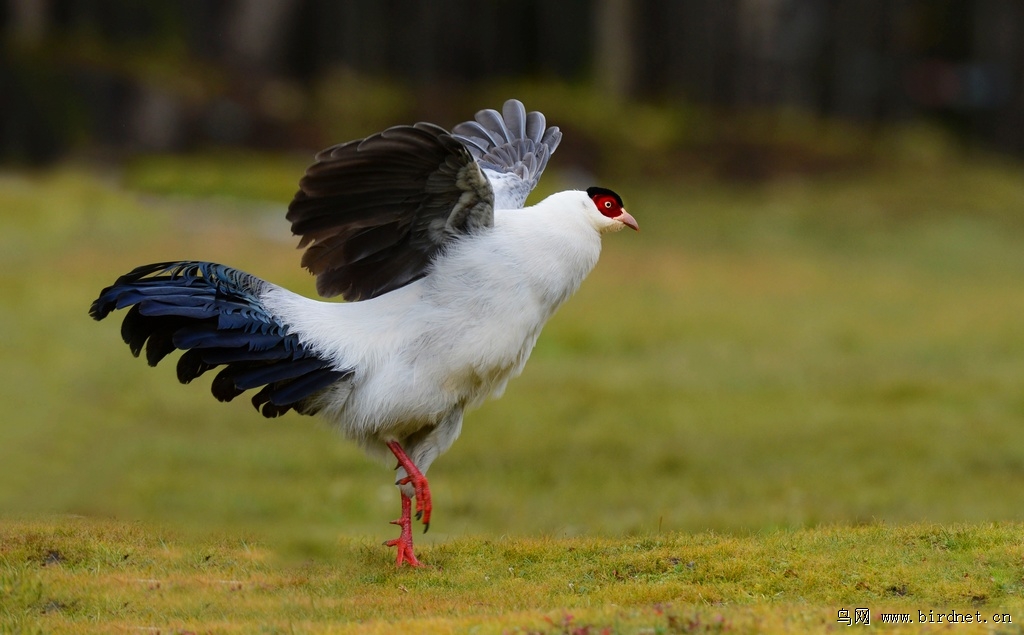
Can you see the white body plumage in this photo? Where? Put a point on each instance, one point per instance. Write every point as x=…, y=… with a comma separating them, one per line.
x=423, y=353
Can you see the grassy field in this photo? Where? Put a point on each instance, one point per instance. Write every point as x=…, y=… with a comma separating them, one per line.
x=78, y=575
x=824, y=373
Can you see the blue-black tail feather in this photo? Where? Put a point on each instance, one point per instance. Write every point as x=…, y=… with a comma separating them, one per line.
x=213, y=313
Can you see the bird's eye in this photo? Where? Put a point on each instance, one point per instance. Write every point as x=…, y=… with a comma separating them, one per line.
x=607, y=205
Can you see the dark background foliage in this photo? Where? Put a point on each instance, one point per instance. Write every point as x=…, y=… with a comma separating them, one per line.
x=169, y=75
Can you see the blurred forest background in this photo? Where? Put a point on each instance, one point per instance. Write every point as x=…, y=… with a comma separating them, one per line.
x=819, y=321
x=173, y=75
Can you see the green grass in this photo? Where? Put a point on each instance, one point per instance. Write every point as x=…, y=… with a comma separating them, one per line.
x=822, y=368
x=79, y=575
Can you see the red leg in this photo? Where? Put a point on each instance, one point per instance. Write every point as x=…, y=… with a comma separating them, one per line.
x=423, y=507
x=419, y=482
x=404, y=540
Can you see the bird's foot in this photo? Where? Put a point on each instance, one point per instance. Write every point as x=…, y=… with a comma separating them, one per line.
x=404, y=540
x=418, y=481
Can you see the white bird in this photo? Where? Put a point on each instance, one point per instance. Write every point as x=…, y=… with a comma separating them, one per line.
x=448, y=281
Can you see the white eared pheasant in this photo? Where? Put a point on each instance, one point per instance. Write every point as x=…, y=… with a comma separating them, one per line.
x=448, y=281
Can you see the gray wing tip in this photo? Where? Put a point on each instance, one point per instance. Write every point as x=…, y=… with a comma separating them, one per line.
x=513, y=141
x=552, y=137
x=514, y=113
x=490, y=128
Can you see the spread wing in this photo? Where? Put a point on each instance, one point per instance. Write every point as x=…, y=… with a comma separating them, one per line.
x=373, y=213
x=512, y=148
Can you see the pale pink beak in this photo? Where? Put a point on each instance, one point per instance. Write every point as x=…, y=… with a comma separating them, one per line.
x=626, y=219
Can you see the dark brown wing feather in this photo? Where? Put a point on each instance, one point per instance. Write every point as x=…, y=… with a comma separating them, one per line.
x=373, y=213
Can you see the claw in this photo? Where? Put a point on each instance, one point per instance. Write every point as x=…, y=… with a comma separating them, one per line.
x=404, y=540
x=423, y=507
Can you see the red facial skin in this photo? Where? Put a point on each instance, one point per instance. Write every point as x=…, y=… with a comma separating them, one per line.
x=609, y=206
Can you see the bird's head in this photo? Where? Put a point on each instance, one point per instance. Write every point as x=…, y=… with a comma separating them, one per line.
x=611, y=216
